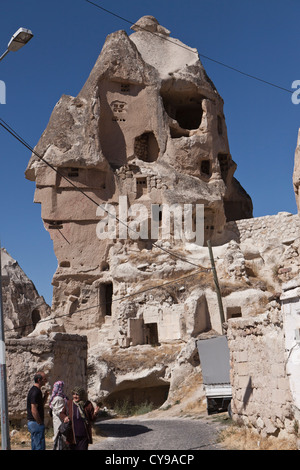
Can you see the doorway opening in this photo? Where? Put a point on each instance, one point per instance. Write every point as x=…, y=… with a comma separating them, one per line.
x=35, y=317
x=151, y=333
x=105, y=294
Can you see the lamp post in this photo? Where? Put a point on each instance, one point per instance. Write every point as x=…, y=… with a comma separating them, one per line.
x=18, y=40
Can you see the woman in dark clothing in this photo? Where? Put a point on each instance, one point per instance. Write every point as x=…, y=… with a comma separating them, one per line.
x=81, y=413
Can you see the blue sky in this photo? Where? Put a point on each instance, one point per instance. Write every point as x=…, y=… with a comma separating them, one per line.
x=258, y=37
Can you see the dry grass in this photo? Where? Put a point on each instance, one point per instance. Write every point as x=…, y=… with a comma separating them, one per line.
x=193, y=404
x=188, y=399
x=143, y=357
x=20, y=439
x=236, y=438
x=190, y=279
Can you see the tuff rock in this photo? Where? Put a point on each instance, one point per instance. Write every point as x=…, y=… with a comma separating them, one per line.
x=148, y=126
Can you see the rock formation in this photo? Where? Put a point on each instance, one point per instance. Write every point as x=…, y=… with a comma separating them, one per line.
x=296, y=175
x=148, y=128
x=23, y=307
x=148, y=125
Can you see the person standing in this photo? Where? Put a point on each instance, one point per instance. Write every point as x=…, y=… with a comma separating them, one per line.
x=35, y=411
x=81, y=413
x=57, y=403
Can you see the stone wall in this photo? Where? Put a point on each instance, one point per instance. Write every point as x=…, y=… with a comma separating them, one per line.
x=60, y=356
x=261, y=396
x=282, y=226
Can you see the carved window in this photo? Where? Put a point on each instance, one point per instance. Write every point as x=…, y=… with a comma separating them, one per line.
x=146, y=147
x=64, y=264
x=119, y=110
x=224, y=165
x=141, y=186
x=233, y=312
x=118, y=107
x=55, y=224
x=189, y=117
x=105, y=294
x=125, y=87
x=205, y=167
x=35, y=317
x=73, y=173
x=184, y=107
x=151, y=333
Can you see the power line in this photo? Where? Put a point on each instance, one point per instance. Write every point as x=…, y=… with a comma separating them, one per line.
x=246, y=74
x=110, y=12
x=119, y=299
x=11, y=131
x=183, y=46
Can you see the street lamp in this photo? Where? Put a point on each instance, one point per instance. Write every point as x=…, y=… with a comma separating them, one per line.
x=18, y=40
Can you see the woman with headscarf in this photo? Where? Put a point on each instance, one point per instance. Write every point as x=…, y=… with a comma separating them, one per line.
x=82, y=414
x=57, y=403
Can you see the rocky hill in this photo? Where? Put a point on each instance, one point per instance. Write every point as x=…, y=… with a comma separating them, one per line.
x=22, y=305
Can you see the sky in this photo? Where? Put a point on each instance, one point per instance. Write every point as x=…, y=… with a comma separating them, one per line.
x=257, y=37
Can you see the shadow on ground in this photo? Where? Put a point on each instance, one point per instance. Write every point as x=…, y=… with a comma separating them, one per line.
x=120, y=430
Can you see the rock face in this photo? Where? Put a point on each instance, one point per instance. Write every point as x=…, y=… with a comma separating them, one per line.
x=296, y=175
x=147, y=131
x=60, y=356
x=147, y=128
x=23, y=307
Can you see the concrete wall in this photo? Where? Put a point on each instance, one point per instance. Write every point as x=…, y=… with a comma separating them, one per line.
x=261, y=392
x=60, y=356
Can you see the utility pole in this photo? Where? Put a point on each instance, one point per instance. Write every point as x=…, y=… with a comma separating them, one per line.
x=5, y=441
x=220, y=303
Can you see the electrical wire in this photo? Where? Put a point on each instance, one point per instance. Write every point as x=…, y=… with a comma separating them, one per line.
x=183, y=46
